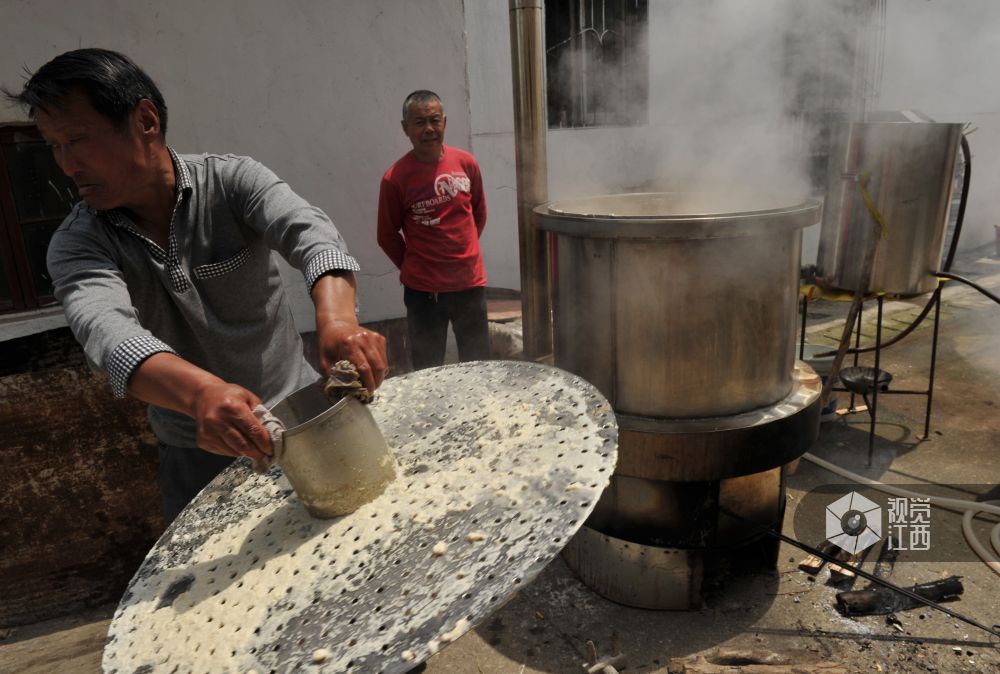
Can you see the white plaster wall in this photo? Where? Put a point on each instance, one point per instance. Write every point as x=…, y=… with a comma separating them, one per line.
x=492, y=113
x=312, y=89
x=940, y=58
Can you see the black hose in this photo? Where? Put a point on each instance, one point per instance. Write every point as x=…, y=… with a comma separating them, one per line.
x=956, y=277
x=952, y=249
x=907, y=330
x=960, y=218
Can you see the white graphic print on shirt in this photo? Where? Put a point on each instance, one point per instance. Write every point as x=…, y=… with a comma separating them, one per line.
x=451, y=184
x=446, y=187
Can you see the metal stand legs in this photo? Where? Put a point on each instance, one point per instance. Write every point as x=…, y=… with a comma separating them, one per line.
x=872, y=404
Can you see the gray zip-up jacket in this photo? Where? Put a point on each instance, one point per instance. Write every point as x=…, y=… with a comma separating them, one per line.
x=214, y=298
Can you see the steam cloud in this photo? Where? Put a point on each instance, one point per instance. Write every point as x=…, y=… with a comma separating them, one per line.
x=739, y=93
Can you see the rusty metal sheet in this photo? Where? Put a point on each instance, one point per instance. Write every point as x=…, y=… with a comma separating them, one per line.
x=499, y=464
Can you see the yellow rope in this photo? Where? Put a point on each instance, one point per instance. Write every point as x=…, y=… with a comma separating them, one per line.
x=870, y=203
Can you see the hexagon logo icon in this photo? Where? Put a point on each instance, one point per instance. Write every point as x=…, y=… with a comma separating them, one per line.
x=853, y=522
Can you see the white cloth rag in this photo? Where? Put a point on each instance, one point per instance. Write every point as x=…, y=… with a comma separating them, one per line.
x=276, y=430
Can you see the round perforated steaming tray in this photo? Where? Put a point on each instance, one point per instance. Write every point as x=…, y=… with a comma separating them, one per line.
x=501, y=462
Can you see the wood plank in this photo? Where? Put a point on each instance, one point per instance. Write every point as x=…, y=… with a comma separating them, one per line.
x=845, y=571
x=812, y=564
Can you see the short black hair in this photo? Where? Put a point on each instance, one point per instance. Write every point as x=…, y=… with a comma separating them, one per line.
x=112, y=83
x=421, y=97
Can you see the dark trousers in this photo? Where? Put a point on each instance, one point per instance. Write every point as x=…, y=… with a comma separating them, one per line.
x=427, y=318
x=183, y=472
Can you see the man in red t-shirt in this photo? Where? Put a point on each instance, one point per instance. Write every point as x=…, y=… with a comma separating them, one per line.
x=431, y=212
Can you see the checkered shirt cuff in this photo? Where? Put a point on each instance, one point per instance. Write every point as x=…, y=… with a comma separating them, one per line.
x=129, y=355
x=328, y=260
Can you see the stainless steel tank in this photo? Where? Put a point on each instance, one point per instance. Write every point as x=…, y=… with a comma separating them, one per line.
x=681, y=308
x=910, y=168
x=675, y=306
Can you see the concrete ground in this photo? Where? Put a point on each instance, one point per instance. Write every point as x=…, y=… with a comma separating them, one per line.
x=546, y=627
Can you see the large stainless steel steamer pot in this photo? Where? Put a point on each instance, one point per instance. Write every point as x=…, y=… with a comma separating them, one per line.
x=681, y=309
x=674, y=304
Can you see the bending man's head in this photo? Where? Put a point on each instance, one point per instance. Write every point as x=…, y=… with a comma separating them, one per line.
x=105, y=121
x=111, y=82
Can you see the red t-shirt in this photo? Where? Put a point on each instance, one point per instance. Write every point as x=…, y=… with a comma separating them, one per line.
x=430, y=217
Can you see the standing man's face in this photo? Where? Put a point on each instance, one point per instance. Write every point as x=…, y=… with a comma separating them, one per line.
x=105, y=163
x=424, y=126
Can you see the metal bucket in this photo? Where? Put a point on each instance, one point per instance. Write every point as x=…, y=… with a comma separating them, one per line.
x=334, y=456
x=910, y=168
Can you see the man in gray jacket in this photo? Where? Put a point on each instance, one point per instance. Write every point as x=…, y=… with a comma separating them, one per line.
x=165, y=272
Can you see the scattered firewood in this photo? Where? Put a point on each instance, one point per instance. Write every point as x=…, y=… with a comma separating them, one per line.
x=845, y=571
x=812, y=564
x=882, y=600
x=754, y=662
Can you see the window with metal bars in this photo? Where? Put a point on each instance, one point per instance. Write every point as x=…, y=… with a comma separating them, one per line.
x=35, y=196
x=597, y=65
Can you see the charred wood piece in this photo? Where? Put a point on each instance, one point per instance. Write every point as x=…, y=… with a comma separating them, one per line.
x=882, y=600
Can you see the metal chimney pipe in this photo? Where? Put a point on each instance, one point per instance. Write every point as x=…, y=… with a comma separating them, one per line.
x=527, y=50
